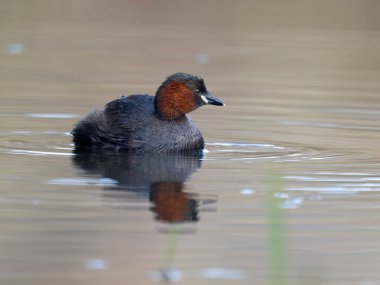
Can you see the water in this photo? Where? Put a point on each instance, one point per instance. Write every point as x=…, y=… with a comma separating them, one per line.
x=287, y=192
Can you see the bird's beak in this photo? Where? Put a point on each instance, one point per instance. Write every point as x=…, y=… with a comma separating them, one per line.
x=211, y=100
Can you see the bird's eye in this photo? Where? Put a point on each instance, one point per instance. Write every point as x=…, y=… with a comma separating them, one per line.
x=198, y=91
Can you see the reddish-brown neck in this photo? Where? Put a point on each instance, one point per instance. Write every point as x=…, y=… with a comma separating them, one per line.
x=174, y=100
x=170, y=203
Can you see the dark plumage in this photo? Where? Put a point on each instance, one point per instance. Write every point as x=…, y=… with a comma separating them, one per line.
x=143, y=123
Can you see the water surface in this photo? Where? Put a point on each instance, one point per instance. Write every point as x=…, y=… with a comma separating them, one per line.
x=287, y=192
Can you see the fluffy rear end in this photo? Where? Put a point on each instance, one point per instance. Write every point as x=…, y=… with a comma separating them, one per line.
x=88, y=133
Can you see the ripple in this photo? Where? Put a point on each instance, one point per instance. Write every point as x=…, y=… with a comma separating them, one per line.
x=327, y=125
x=250, y=152
x=338, y=183
x=346, y=173
x=82, y=181
x=248, y=145
x=36, y=153
x=53, y=116
x=39, y=143
x=55, y=143
x=345, y=178
x=334, y=189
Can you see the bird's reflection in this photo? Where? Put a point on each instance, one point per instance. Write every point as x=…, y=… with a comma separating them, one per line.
x=160, y=177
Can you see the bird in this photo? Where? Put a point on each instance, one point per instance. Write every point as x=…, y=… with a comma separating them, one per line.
x=144, y=123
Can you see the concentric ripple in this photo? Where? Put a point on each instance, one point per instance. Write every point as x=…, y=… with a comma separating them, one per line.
x=269, y=152
x=47, y=143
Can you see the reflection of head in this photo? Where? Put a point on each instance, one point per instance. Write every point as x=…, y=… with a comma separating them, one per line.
x=171, y=204
x=162, y=176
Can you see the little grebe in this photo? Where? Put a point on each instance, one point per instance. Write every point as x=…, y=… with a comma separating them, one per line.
x=144, y=123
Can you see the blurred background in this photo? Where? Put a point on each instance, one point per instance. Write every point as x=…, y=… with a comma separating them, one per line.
x=288, y=192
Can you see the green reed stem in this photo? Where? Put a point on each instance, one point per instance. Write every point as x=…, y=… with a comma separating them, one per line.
x=172, y=245
x=277, y=233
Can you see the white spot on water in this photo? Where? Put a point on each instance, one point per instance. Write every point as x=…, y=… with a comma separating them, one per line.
x=247, y=191
x=222, y=273
x=291, y=203
x=16, y=48
x=96, y=264
x=281, y=195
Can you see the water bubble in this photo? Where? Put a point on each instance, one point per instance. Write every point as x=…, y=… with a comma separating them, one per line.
x=16, y=48
x=96, y=264
x=291, y=203
x=247, y=191
x=222, y=273
x=281, y=195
